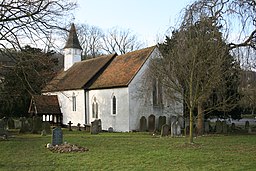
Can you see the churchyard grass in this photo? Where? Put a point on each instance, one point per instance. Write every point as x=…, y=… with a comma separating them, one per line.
x=129, y=151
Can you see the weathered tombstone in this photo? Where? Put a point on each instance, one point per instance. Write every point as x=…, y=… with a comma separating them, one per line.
x=206, y=127
x=47, y=127
x=181, y=122
x=110, y=129
x=57, y=136
x=99, y=125
x=25, y=125
x=173, y=129
x=218, y=127
x=10, y=123
x=37, y=125
x=224, y=127
x=165, y=131
x=233, y=127
x=95, y=127
x=178, y=129
x=151, y=123
x=143, y=124
x=161, y=122
x=69, y=126
x=247, y=125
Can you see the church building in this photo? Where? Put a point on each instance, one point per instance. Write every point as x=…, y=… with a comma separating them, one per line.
x=111, y=88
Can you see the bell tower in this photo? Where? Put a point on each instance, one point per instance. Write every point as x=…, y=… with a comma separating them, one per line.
x=72, y=49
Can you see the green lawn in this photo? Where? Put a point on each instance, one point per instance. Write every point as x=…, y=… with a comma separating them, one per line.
x=130, y=151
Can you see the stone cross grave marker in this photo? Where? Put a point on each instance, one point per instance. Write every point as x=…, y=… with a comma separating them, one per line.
x=151, y=123
x=161, y=122
x=69, y=126
x=143, y=124
x=165, y=131
x=57, y=136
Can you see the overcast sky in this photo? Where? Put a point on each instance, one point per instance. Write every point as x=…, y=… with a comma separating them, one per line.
x=145, y=18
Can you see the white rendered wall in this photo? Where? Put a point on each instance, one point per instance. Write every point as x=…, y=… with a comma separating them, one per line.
x=71, y=55
x=120, y=121
x=66, y=106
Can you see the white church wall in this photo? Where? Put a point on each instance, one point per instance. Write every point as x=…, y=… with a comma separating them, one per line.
x=104, y=99
x=75, y=115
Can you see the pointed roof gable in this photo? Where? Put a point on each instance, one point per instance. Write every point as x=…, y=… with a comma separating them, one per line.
x=122, y=69
x=72, y=41
x=41, y=104
x=79, y=75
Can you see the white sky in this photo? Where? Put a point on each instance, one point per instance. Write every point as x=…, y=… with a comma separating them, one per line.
x=148, y=19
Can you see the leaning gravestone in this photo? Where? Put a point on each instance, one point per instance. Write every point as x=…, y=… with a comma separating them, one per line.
x=151, y=123
x=143, y=124
x=57, y=136
x=165, y=131
x=224, y=127
x=161, y=122
x=95, y=127
x=218, y=127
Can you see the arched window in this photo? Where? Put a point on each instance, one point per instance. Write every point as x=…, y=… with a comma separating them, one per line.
x=114, y=105
x=73, y=102
x=95, y=108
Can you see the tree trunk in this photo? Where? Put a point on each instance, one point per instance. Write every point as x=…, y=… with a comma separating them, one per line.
x=191, y=125
x=200, y=119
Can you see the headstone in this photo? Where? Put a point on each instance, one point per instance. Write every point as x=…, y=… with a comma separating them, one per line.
x=10, y=123
x=224, y=127
x=173, y=119
x=206, y=127
x=143, y=124
x=178, y=129
x=161, y=122
x=218, y=127
x=173, y=129
x=95, y=127
x=165, y=131
x=247, y=125
x=57, y=136
x=17, y=124
x=79, y=127
x=110, y=129
x=47, y=127
x=69, y=126
x=151, y=123
x=181, y=122
x=99, y=125
x=37, y=125
x=25, y=125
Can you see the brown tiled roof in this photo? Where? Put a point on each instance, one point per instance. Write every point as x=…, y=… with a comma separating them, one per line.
x=122, y=69
x=80, y=74
x=73, y=41
x=41, y=104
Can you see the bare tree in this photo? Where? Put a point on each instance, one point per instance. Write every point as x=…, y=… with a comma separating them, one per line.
x=90, y=40
x=120, y=41
x=31, y=20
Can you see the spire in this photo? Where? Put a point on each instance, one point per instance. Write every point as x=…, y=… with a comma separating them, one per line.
x=73, y=41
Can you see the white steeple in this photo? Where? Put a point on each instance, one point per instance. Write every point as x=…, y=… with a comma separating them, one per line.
x=72, y=49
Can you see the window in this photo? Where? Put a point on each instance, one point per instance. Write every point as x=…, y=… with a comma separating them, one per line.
x=114, y=105
x=157, y=93
x=74, y=102
x=95, y=108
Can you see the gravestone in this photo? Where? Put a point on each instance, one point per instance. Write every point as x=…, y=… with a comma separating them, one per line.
x=69, y=126
x=247, y=125
x=99, y=125
x=181, y=122
x=173, y=119
x=95, y=127
x=173, y=129
x=57, y=136
x=206, y=127
x=79, y=127
x=143, y=124
x=10, y=123
x=165, y=131
x=110, y=129
x=37, y=125
x=178, y=129
x=218, y=127
x=47, y=127
x=17, y=124
x=224, y=127
x=25, y=125
x=151, y=123
x=161, y=122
